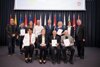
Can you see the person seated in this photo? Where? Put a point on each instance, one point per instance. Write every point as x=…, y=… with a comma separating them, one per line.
x=55, y=47
x=28, y=45
x=42, y=42
x=67, y=43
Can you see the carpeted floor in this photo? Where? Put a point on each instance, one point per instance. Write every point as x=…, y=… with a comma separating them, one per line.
x=92, y=59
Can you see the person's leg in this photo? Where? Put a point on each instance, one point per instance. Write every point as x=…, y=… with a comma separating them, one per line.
x=53, y=54
x=26, y=49
x=78, y=47
x=58, y=54
x=13, y=45
x=20, y=44
x=64, y=54
x=31, y=49
x=82, y=51
x=41, y=55
x=9, y=46
x=44, y=55
x=72, y=50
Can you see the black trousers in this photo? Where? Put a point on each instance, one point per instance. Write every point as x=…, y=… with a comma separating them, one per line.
x=43, y=53
x=11, y=45
x=29, y=51
x=80, y=48
x=71, y=49
x=21, y=42
x=55, y=53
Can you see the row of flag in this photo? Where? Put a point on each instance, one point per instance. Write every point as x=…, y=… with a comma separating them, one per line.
x=45, y=21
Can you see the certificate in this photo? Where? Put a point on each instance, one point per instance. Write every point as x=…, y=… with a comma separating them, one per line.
x=22, y=32
x=59, y=31
x=66, y=42
x=54, y=43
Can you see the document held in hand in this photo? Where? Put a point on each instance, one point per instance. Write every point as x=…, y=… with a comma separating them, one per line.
x=59, y=31
x=54, y=43
x=66, y=42
x=22, y=32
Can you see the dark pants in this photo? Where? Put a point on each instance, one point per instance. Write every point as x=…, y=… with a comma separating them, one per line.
x=56, y=52
x=43, y=53
x=11, y=45
x=71, y=49
x=80, y=48
x=28, y=51
x=20, y=43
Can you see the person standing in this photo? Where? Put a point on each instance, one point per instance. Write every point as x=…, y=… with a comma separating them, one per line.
x=21, y=33
x=37, y=31
x=79, y=39
x=11, y=36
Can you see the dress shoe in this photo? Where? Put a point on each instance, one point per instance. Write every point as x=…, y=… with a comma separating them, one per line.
x=26, y=61
x=71, y=62
x=30, y=60
x=44, y=61
x=40, y=61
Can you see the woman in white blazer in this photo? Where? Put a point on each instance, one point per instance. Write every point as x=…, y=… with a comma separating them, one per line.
x=28, y=45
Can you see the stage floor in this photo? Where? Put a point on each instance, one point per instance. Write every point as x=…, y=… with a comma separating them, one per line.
x=92, y=59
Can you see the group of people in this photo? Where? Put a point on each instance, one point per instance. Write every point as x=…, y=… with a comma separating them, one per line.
x=53, y=41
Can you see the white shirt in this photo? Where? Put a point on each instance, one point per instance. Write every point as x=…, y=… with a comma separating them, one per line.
x=26, y=40
x=37, y=30
x=69, y=30
x=43, y=39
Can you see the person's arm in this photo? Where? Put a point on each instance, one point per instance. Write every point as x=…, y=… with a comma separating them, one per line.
x=33, y=39
x=83, y=34
x=8, y=31
x=24, y=41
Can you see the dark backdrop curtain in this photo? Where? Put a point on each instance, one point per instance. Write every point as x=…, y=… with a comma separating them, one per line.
x=88, y=18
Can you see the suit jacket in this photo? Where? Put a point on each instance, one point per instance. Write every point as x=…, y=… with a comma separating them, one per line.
x=26, y=40
x=11, y=30
x=80, y=34
x=40, y=40
x=71, y=39
x=57, y=38
x=72, y=31
x=49, y=30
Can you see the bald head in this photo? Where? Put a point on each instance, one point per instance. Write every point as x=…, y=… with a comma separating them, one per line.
x=79, y=22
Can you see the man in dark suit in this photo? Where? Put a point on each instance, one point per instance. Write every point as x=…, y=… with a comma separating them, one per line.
x=49, y=28
x=11, y=36
x=55, y=49
x=79, y=39
x=43, y=42
x=21, y=36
